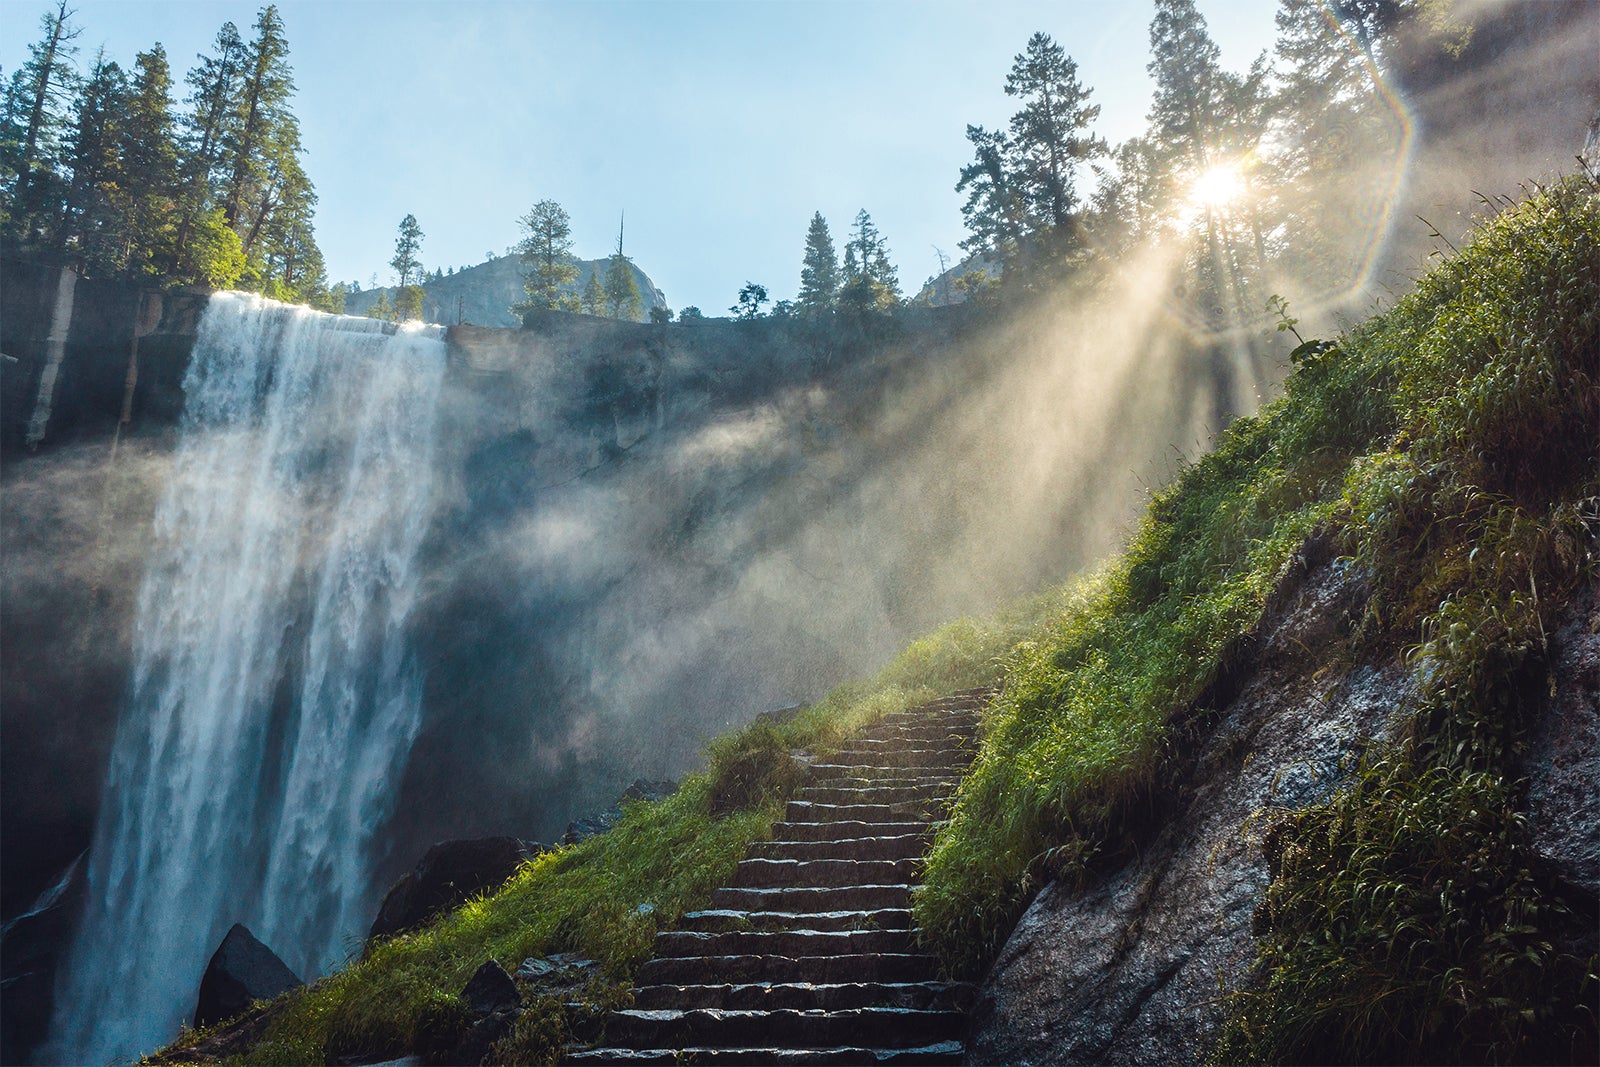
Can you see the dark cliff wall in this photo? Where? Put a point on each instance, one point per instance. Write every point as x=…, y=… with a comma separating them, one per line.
x=126, y=346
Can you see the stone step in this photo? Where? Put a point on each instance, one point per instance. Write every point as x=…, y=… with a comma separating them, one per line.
x=872, y=967
x=784, y=1027
x=813, y=898
x=716, y=921
x=961, y=720
x=807, y=811
x=770, y=996
x=834, y=776
x=871, y=794
x=896, y=754
x=767, y=874
x=845, y=830
x=943, y=758
x=899, y=748
x=936, y=734
x=899, y=847
x=781, y=942
x=943, y=1052
x=828, y=773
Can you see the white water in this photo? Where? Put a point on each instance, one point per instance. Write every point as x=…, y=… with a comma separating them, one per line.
x=273, y=701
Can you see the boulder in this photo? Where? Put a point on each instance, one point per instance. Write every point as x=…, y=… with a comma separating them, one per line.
x=450, y=874
x=241, y=971
x=491, y=1003
x=490, y=990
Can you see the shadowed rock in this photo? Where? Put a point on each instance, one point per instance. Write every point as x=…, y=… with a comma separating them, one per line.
x=449, y=875
x=241, y=971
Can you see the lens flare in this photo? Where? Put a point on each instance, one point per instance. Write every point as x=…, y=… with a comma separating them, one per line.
x=1217, y=186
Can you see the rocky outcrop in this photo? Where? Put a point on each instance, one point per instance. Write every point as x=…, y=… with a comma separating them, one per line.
x=484, y=293
x=79, y=356
x=30, y=948
x=1563, y=757
x=601, y=822
x=450, y=874
x=241, y=972
x=1132, y=967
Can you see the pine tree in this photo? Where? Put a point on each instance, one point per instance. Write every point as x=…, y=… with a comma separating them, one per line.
x=1022, y=199
x=1049, y=136
x=594, y=295
x=871, y=282
x=622, y=292
x=261, y=112
x=34, y=121
x=408, y=302
x=407, y=247
x=381, y=308
x=991, y=212
x=1201, y=114
x=94, y=214
x=214, y=88
x=819, y=271
x=546, y=250
x=150, y=164
x=1203, y=117
x=748, y=306
x=1339, y=138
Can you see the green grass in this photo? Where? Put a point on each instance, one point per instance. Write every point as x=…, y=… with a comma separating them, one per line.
x=1452, y=447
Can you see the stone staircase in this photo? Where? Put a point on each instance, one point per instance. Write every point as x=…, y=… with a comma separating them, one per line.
x=808, y=958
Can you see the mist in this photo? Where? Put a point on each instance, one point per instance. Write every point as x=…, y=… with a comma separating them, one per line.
x=642, y=536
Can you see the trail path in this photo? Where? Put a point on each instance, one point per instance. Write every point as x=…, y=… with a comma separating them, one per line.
x=808, y=957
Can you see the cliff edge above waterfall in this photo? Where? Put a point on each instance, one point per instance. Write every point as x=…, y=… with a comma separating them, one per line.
x=1306, y=773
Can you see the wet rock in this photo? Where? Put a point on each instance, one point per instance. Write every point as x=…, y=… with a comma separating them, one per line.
x=490, y=990
x=1562, y=763
x=565, y=967
x=241, y=971
x=491, y=1004
x=450, y=874
x=30, y=950
x=1129, y=969
x=601, y=822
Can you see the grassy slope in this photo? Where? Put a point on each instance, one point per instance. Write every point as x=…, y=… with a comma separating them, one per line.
x=1452, y=446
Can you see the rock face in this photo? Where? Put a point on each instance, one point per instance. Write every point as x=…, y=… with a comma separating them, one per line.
x=30, y=946
x=1563, y=759
x=1131, y=968
x=483, y=294
x=242, y=971
x=451, y=873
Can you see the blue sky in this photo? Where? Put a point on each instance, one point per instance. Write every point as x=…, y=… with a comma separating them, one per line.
x=719, y=127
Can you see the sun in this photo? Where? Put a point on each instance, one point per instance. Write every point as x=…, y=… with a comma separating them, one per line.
x=1217, y=186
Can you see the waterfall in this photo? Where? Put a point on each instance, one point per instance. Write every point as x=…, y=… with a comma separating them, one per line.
x=273, y=700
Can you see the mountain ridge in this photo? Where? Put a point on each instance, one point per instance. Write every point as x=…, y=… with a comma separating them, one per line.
x=483, y=294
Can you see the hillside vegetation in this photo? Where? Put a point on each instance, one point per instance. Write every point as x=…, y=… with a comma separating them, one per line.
x=1451, y=448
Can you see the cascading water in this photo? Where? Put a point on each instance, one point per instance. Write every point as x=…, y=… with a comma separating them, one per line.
x=273, y=701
